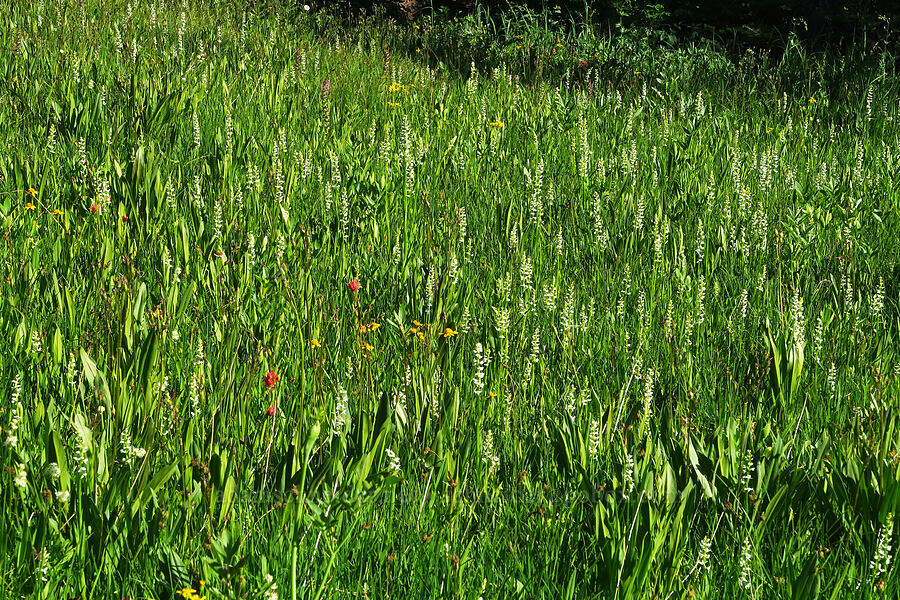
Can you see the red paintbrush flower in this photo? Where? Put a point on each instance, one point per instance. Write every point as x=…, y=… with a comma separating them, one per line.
x=353, y=285
x=271, y=410
x=270, y=379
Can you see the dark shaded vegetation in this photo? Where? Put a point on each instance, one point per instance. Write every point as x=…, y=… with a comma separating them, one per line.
x=819, y=24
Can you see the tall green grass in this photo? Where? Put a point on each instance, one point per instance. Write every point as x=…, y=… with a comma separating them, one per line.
x=626, y=323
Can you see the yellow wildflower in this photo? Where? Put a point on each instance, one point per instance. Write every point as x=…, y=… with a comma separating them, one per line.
x=315, y=343
x=448, y=333
x=497, y=124
x=417, y=324
x=32, y=192
x=58, y=213
x=29, y=206
x=368, y=347
x=393, y=104
x=813, y=100
x=395, y=87
x=373, y=326
x=421, y=335
x=363, y=329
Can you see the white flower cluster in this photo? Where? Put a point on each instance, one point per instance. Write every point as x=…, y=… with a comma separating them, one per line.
x=195, y=388
x=550, y=296
x=393, y=460
x=628, y=477
x=21, y=479
x=648, y=394
x=745, y=566
x=594, y=439
x=569, y=401
x=11, y=439
x=200, y=358
x=81, y=460
x=882, y=559
x=71, y=371
x=489, y=457
x=340, y=409
x=481, y=361
x=703, y=557
x=36, y=346
x=272, y=588
x=251, y=250
x=128, y=451
x=798, y=320
x=452, y=270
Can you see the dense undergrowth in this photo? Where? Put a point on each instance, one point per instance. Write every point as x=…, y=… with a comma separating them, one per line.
x=441, y=310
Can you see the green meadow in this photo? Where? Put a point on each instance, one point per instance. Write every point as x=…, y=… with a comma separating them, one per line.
x=301, y=308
